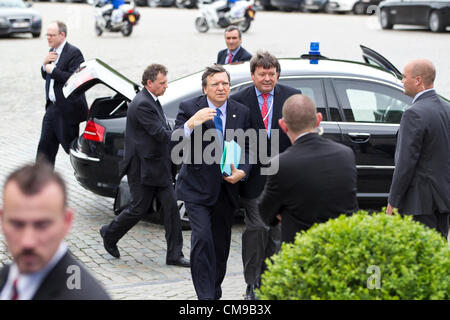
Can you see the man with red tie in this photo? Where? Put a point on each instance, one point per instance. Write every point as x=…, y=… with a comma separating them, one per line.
x=235, y=52
x=265, y=101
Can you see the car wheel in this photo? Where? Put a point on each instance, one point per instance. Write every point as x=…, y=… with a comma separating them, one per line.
x=359, y=8
x=201, y=25
x=385, y=21
x=435, y=22
x=36, y=34
x=191, y=4
x=153, y=3
x=327, y=8
x=180, y=3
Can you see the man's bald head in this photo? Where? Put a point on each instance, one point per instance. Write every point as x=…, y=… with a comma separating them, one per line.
x=418, y=75
x=299, y=113
x=425, y=69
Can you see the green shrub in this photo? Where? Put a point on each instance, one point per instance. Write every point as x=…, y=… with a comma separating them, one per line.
x=339, y=260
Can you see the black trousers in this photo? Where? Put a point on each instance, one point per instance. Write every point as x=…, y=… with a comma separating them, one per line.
x=141, y=202
x=55, y=131
x=258, y=242
x=210, y=244
x=438, y=221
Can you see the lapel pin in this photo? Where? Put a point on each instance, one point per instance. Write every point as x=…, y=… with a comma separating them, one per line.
x=234, y=116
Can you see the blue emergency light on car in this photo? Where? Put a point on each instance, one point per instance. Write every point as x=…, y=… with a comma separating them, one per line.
x=314, y=51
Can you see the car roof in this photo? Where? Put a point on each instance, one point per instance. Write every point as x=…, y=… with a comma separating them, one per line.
x=240, y=73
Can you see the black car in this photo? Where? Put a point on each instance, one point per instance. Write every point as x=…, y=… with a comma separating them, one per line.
x=361, y=103
x=288, y=5
x=432, y=14
x=18, y=17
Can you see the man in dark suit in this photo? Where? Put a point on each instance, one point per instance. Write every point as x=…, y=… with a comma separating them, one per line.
x=210, y=197
x=60, y=125
x=265, y=101
x=234, y=52
x=35, y=219
x=421, y=182
x=148, y=167
x=316, y=179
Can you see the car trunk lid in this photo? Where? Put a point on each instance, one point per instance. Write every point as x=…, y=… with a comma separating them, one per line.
x=95, y=71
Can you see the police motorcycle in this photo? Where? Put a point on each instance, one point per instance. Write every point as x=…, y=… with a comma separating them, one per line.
x=117, y=16
x=222, y=14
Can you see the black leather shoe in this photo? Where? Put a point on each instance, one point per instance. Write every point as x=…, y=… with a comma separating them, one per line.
x=250, y=292
x=180, y=262
x=110, y=248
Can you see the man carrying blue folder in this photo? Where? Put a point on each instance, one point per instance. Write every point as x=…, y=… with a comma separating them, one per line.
x=210, y=196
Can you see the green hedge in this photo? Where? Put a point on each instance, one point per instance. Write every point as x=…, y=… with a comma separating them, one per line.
x=340, y=259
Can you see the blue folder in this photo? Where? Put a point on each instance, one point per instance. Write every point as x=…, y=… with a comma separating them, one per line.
x=231, y=155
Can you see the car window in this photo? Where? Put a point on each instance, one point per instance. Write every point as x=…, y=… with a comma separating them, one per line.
x=366, y=101
x=312, y=88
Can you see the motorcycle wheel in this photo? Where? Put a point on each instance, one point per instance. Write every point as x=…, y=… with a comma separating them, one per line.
x=127, y=29
x=201, y=25
x=98, y=30
x=245, y=25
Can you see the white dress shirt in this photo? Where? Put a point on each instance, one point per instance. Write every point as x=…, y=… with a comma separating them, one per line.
x=51, y=91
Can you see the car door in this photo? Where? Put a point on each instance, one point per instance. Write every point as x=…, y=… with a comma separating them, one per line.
x=401, y=12
x=374, y=58
x=372, y=111
x=417, y=12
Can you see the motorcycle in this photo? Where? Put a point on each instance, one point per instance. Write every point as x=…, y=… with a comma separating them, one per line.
x=125, y=17
x=218, y=15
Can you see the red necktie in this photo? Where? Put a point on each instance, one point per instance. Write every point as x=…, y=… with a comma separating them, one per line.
x=230, y=57
x=264, y=110
x=15, y=292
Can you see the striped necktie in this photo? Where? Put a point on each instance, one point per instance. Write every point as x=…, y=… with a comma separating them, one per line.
x=230, y=57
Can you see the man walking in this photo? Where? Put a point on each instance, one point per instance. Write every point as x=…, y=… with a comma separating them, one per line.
x=265, y=101
x=60, y=125
x=210, y=197
x=148, y=167
x=421, y=182
x=316, y=180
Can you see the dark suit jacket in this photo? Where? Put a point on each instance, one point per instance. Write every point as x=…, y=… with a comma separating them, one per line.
x=254, y=185
x=54, y=286
x=74, y=110
x=147, y=137
x=241, y=56
x=421, y=181
x=316, y=181
x=201, y=183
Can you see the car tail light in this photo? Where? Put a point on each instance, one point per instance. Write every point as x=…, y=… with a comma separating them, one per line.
x=94, y=131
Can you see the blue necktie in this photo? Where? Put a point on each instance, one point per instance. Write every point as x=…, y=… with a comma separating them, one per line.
x=219, y=125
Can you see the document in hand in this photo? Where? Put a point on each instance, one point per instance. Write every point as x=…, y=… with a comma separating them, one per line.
x=231, y=155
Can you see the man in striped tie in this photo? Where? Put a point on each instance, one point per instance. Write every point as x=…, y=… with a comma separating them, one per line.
x=265, y=101
x=235, y=52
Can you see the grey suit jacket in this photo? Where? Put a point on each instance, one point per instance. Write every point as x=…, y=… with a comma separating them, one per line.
x=421, y=181
x=54, y=286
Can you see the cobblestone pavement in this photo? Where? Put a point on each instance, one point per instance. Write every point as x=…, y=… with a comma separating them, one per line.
x=166, y=36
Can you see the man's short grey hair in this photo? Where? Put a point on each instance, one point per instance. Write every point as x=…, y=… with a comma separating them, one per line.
x=209, y=71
